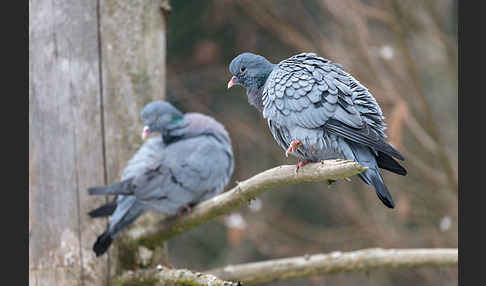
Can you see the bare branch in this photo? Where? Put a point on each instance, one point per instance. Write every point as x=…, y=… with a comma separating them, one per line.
x=167, y=276
x=244, y=192
x=336, y=262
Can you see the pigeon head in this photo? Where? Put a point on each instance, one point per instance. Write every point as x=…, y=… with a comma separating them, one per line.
x=159, y=116
x=250, y=71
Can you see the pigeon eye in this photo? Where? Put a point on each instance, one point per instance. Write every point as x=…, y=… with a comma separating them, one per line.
x=242, y=69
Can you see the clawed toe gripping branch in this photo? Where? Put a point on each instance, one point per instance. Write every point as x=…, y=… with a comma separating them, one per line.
x=241, y=194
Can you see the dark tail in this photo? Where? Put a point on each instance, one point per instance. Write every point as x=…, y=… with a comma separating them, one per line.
x=104, y=210
x=364, y=155
x=126, y=212
x=102, y=243
x=373, y=177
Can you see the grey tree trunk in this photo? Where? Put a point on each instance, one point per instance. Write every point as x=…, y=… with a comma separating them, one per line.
x=92, y=66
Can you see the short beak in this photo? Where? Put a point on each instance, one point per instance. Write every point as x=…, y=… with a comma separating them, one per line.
x=232, y=82
x=145, y=133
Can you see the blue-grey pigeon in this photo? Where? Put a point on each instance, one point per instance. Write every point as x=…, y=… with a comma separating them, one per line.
x=192, y=161
x=317, y=111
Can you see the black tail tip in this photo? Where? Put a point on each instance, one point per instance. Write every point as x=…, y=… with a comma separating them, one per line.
x=102, y=244
x=381, y=189
x=389, y=204
x=386, y=200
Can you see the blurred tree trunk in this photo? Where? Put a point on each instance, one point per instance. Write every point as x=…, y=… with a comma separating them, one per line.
x=92, y=66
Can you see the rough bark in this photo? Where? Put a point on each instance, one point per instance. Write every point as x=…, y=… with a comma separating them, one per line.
x=336, y=262
x=164, y=276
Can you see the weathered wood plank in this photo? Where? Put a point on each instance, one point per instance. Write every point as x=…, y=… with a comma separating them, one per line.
x=133, y=61
x=65, y=143
x=133, y=49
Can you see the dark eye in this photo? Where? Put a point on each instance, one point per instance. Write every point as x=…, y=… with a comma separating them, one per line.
x=242, y=69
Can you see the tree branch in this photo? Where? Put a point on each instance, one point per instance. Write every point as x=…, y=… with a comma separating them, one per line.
x=166, y=276
x=335, y=262
x=244, y=192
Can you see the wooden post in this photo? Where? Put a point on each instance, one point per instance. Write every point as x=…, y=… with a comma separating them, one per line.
x=65, y=143
x=133, y=52
x=92, y=66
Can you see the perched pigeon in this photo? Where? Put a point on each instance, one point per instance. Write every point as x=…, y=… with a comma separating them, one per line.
x=192, y=161
x=317, y=111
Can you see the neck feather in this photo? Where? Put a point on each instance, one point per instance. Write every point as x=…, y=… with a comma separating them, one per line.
x=255, y=92
x=255, y=98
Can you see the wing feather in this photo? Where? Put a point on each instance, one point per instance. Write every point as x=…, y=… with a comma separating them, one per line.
x=179, y=180
x=311, y=92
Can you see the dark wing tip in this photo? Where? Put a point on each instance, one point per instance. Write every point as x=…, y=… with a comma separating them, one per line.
x=386, y=162
x=396, y=153
x=364, y=135
x=104, y=210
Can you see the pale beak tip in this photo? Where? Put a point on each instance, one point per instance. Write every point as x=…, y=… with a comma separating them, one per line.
x=231, y=82
x=145, y=133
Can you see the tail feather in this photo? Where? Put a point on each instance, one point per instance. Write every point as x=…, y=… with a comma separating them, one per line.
x=118, y=188
x=102, y=243
x=381, y=189
x=363, y=155
x=127, y=210
x=371, y=177
x=104, y=210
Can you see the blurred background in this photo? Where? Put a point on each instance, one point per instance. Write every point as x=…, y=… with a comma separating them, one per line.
x=405, y=52
x=94, y=64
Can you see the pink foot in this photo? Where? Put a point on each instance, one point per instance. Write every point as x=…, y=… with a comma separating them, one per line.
x=300, y=164
x=292, y=147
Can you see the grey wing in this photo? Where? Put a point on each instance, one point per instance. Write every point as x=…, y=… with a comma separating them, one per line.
x=296, y=93
x=309, y=92
x=195, y=169
x=146, y=157
x=207, y=166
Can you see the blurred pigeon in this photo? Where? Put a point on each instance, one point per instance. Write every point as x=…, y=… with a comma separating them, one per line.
x=317, y=111
x=192, y=161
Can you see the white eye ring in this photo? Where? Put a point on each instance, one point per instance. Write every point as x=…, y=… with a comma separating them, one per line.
x=242, y=69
